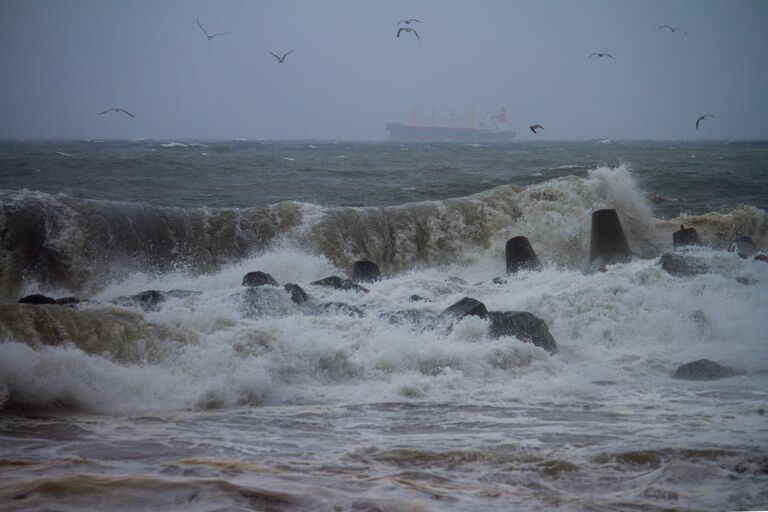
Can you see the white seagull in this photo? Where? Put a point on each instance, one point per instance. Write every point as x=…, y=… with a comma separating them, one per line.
x=408, y=21
x=674, y=29
x=209, y=36
x=116, y=109
x=409, y=29
x=601, y=55
x=705, y=116
x=280, y=60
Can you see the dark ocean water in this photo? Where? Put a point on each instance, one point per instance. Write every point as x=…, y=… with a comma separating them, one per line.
x=220, y=398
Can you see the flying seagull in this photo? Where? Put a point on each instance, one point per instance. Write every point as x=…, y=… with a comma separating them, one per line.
x=409, y=29
x=116, y=109
x=674, y=29
x=601, y=55
x=536, y=127
x=280, y=60
x=409, y=21
x=705, y=116
x=209, y=36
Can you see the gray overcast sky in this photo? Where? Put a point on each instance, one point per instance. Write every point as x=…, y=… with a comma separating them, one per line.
x=61, y=62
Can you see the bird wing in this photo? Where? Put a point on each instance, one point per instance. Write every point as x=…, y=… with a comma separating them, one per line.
x=275, y=56
x=417, y=34
x=398, y=32
x=666, y=26
x=288, y=53
x=533, y=129
x=108, y=110
x=201, y=27
x=221, y=33
x=125, y=111
x=609, y=55
x=592, y=55
x=403, y=21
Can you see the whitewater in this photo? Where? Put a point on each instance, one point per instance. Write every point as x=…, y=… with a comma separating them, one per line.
x=350, y=401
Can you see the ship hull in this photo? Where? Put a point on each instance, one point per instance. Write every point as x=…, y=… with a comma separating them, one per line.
x=400, y=132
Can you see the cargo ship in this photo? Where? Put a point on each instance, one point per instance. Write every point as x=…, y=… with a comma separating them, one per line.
x=495, y=128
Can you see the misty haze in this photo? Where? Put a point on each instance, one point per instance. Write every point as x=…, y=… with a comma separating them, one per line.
x=383, y=255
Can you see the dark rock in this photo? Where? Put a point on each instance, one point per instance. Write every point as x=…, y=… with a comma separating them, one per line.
x=685, y=236
x=681, y=266
x=339, y=284
x=297, y=293
x=521, y=256
x=416, y=298
x=499, y=280
x=37, y=299
x=703, y=369
x=259, y=278
x=746, y=281
x=365, y=271
x=607, y=245
x=149, y=300
x=524, y=326
x=465, y=307
x=342, y=308
x=68, y=301
x=762, y=257
x=744, y=246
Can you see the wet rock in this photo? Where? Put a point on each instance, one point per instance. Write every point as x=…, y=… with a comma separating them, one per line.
x=521, y=256
x=365, y=271
x=417, y=298
x=456, y=280
x=744, y=246
x=339, y=284
x=681, y=266
x=297, y=293
x=149, y=300
x=746, y=281
x=761, y=257
x=524, y=326
x=703, y=369
x=342, y=308
x=37, y=299
x=259, y=278
x=685, y=236
x=499, y=280
x=465, y=307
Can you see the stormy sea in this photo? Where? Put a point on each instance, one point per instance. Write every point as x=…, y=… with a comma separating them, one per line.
x=153, y=378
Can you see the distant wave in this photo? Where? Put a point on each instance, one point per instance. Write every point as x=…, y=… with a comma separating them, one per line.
x=78, y=245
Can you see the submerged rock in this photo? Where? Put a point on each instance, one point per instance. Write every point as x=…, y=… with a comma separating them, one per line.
x=297, y=293
x=417, y=298
x=149, y=300
x=68, y=301
x=465, y=307
x=524, y=326
x=744, y=246
x=418, y=317
x=342, y=308
x=260, y=301
x=259, y=278
x=37, y=299
x=761, y=257
x=339, y=284
x=182, y=294
x=365, y=271
x=679, y=265
x=703, y=369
